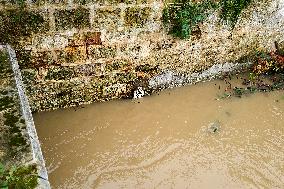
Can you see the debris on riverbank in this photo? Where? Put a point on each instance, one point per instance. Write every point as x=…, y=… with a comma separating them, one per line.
x=266, y=74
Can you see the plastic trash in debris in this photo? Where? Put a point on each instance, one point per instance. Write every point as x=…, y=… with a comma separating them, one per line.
x=139, y=93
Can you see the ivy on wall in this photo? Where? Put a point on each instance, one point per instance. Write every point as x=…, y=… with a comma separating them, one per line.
x=181, y=17
x=231, y=10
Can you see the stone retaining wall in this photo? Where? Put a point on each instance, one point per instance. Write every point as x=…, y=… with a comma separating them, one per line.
x=93, y=50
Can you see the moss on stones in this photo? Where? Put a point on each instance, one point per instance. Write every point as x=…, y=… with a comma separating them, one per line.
x=28, y=59
x=17, y=140
x=75, y=18
x=24, y=58
x=18, y=23
x=83, y=2
x=59, y=74
x=13, y=140
x=125, y=77
x=182, y=17
x=111, y=2
x=6, y=102
x=10, y=119
x=117, y=65
x=29, y=76
x=131, y=1
x=3, y=92
x=147, y=68
x=14, y=134
x=20, y=3
x=5, y=67
x=37, y=2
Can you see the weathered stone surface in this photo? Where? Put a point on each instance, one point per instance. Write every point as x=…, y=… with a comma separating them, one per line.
x=107, y=18
x=75, y=54
x=85, y=39
x=59, y=73
x=48, y=42
x=14, y=142
x=97, y=52
x=24, y=58
x=18, y=23
x=42, y=59
x=136, y=16
x=75, y=18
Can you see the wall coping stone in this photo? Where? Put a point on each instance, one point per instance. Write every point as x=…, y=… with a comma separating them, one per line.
x=43, y=182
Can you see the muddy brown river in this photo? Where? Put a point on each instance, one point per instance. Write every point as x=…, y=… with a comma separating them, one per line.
x=179, y=138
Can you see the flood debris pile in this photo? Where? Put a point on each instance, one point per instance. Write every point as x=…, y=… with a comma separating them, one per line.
x=269, y=63
x=251, y=84
x=16, y=167
x=265, y=74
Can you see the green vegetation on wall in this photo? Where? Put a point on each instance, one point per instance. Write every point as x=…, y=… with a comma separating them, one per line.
x=182, y=16
x=231, y=10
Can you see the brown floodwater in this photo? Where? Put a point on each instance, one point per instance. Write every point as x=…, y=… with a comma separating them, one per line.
x=166, y=141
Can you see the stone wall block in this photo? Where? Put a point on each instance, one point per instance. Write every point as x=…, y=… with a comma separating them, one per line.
x=43, y=42
x=87, y=70
x=60, y=73
x=74, y=18
x=19, y=24
x=107, y=18
x=119, y=65
x=60, y=41
x=101, y=52
x=71, y=55
x=136, y=16
x=42, y=59
x=75, y=54
x=85, y=39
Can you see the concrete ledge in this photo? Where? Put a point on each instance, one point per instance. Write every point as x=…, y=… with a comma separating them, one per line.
x=43, y=182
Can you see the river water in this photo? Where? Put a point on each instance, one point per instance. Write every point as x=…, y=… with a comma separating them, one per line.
x=166, y=141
